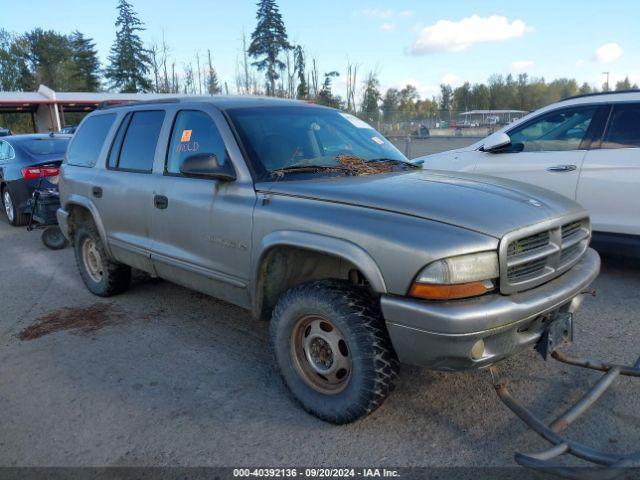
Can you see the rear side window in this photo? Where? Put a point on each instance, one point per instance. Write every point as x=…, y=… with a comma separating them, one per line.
x=194, y=133
x=138, y=146
x=87, y=143
x=624, y=127
x=6, y=152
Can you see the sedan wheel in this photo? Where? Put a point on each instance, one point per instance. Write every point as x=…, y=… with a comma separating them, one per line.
x=8, y=206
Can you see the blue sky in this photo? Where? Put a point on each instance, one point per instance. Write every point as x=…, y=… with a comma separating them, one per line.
x=420, y=42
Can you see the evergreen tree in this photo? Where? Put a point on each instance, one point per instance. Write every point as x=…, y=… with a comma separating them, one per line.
x=268, y=41
x=462, y=97
x=585, y=88
x=390, y=104
x=303, y=89
x=129, y=60
x=49, y=58
x=213, y=86
x=370, y=99
x=623, y=84
x=85, y=76
x=326, y=96
x=14, y=69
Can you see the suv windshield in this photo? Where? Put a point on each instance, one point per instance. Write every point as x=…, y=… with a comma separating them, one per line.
x=278, y=138
x=46, y=146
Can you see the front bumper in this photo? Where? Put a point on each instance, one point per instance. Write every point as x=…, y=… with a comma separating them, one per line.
x=442, y=335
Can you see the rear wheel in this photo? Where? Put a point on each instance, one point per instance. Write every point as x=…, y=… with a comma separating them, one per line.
x=333, y=350
x=101, y=275
x=15, y=218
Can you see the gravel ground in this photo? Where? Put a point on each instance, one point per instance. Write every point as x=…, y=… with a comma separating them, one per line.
x=164, y=376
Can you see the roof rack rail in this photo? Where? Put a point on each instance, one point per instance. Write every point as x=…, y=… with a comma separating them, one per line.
x=127, y=103
x=594, y=94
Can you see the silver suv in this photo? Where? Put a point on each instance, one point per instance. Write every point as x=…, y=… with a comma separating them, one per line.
x=311, y=219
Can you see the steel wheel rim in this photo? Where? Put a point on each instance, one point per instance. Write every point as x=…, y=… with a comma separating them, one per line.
x=320, y=354
x=8, y=205
x=92, y=260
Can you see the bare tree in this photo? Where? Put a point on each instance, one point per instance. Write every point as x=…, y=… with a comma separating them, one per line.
x=165, y=54
x=175, y=82
x=314, y=77
x=199, y=74
x=352, y=81
x=188, y=85
x=291, y=75
x=156, y=63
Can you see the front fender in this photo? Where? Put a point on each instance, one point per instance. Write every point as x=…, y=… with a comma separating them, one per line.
x=323, y=244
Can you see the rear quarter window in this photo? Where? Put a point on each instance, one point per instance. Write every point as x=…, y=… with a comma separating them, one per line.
x=87, y=142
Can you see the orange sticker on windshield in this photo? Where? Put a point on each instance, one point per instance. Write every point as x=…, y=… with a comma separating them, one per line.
x=377, y=140
x=186, y=136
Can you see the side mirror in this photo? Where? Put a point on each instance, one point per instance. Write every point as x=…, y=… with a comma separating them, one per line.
x=495, y=142
x=206, y=165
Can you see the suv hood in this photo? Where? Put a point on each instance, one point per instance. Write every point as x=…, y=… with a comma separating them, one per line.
x=481, y=203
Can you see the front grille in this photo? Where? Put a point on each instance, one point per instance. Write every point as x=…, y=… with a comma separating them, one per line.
x=539, y=253
x=526, y=270
x=570, y=229
x=528, y=244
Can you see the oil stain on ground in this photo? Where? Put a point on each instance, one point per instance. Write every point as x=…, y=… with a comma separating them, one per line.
x=78, y=320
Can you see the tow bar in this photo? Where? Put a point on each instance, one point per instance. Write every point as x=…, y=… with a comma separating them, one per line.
x=603, y=465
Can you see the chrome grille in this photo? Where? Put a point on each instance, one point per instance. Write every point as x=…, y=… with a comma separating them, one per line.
x=536, y=254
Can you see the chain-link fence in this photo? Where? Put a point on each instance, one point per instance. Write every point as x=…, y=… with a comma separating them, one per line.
x=417, y=135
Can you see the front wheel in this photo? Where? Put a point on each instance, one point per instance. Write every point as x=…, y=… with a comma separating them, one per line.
x=101, y=275
x=333, y=349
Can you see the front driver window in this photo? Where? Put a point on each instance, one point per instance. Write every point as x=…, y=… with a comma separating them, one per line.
x=194, y=132
x=560, y=130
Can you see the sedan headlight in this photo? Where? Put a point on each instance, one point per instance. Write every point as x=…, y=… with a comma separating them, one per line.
x=457, y=277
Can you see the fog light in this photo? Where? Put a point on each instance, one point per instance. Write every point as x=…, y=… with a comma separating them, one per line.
x=477, y=351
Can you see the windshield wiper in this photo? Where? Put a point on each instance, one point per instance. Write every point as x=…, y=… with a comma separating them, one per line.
x=279, y=172
x=393, y=161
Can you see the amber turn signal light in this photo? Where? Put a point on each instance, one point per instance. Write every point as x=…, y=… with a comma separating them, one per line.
x=429, y=291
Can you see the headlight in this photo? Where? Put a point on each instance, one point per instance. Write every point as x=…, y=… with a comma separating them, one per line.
x=457, y=277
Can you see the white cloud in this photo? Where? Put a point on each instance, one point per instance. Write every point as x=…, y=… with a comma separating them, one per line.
x=579, y=63
x=388, y=26
x=607, y=53
x=405, y=13
x=452, y=79
x=377, y=13
x=452, y=36
x=520, y=65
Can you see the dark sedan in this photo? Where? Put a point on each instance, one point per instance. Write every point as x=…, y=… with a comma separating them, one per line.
x=26, y=162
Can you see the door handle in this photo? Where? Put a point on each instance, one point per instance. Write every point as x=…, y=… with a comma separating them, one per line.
x=561, y=168
x=160, y=201
x=96, y=192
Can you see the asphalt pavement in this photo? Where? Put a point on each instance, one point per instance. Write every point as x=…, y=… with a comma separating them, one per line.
x=164, y=376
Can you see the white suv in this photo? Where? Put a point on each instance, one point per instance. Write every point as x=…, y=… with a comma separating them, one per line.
x=586, y=148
